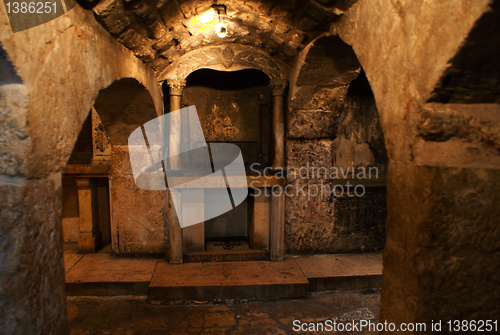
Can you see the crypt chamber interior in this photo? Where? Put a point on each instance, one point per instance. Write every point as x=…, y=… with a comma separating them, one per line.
x=364, y=128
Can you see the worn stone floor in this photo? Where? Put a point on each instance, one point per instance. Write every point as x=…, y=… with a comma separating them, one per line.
x=134, y=315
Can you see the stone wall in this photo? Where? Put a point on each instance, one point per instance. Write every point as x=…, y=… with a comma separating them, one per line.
x=444, y=158
x=136, y=214
x=329, y=128
x=50, y=76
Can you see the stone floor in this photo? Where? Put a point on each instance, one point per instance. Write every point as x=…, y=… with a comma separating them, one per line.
x=116, y=295
x=133, y=315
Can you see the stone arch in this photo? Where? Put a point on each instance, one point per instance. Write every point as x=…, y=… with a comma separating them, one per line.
x=473, y=73
x=30, y=246
x=333, y=124
x=122, y=107
x=326, y=61
x=435, y=242
x=335, y=65
x=58, y=88
x=224, y=57
x=118, y=110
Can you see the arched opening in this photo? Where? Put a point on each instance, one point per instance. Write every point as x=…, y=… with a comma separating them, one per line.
x=95, y=214
x=334, y=132
x=233, y=107
x=87, y=175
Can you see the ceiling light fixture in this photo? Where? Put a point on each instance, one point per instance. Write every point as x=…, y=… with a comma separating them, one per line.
x=221, y=26
x=214, y=17
x=206, y=19
x=208, y=16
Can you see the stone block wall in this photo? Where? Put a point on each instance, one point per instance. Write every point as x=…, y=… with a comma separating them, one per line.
x=136, y=215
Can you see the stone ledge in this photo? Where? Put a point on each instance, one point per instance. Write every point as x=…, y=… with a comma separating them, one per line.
x=341, y=271
x=208, y=281
x=88, y=169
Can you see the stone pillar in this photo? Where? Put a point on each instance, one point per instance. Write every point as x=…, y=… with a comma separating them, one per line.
x=175, y=87
x=278, y=202
x=278, y=89
x=87, y=215
x=277, y=227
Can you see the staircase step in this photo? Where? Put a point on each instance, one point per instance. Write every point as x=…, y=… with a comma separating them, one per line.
x=342, y=271
x=227, y=280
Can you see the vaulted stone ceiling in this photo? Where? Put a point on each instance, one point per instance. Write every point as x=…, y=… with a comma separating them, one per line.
x=160, y=31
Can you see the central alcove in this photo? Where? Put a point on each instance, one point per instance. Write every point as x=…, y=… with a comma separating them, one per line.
x=248, y=87
x=234, y=107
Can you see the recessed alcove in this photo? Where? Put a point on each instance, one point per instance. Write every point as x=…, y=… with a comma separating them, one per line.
x=234, y=107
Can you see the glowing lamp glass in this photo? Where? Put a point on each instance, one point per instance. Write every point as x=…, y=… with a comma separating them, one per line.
x=221, y=29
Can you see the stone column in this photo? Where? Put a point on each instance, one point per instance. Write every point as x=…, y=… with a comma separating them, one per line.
x=277, y=227
x=175, y=87
x=278, y=89
x=278, y=201
x=87, y=215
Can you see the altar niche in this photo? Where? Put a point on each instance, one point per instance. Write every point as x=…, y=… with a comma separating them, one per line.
x=236, y=107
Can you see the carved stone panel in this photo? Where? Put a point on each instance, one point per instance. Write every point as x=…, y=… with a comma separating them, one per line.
x=224, y=58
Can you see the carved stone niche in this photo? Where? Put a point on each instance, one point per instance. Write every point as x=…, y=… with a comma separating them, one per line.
x=267, y=228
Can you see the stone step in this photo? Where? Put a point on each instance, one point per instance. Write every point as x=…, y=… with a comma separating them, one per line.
x=226, y=256
x=104, y=274
x=227, y=280
x=341, y=271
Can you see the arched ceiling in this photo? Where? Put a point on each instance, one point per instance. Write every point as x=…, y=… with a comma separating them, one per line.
x=160, y=31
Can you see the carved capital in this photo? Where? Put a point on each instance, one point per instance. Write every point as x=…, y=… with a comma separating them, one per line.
x=278, y=86
x=176, y=86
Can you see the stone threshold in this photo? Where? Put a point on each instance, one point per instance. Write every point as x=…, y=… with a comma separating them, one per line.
x=226, y=256
x=104, y=274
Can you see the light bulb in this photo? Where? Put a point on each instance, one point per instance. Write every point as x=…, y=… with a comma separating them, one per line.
x=221, y=29
x=208, y=16
x=205, y=18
